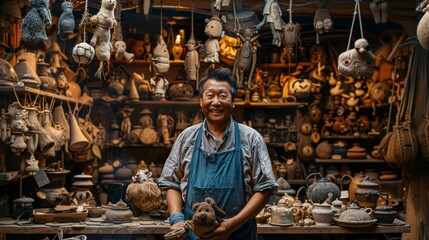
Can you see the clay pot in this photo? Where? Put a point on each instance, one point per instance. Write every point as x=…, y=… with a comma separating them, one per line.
x=384, y=214
x=368, y=192
x=280, y=214
x=319, y=190
x=355, y=217
x=324, y=150
x=180, y=91
x=23, y=207
x=323, y=214
x=120, y=212
x=353, y=184
x=356, y=152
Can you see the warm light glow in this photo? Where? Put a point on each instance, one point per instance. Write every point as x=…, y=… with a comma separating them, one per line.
x=177, y=39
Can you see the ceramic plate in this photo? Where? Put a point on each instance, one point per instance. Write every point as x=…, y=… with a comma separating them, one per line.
x=355, y=224
x=281, y=225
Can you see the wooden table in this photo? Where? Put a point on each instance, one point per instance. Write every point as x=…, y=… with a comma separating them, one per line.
x=160, y=228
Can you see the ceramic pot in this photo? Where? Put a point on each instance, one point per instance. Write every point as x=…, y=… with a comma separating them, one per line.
x=8, y=76
x=384, y=214
x=280, y=214
x=134, y=135
x=120, y=212
x=323, y=214
x=319, y=190
x=356, y=152
x=51, y=197
x=353, y=185
x=355, y=214
x=23, y=207
x=180, y=91
x=368, y=192
x=57, y=179
x=324, y=150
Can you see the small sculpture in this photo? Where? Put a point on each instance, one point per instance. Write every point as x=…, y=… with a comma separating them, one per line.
x=379, y=11
x=259, y=84
x=119, y=46
x=18, y=127
x=33, y=27
x=32, y=165
x=161, y=65
x=126, y=122
x=165, y=125
x=273, y=15
x=66, y=22
x=103, y=21
x=245, y=61
x=357, y=62
x=192, y=60
x=223, y=3
x=214, y=31
x=204, y=217
x=144, y=192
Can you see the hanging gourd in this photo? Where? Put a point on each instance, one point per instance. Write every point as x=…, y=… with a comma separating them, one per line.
x=33, y=27
x=358, y=61
x=83, y=53
x=291, y=31
x=66, y=22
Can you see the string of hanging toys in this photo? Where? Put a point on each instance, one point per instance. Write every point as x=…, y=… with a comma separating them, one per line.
x=83, y=53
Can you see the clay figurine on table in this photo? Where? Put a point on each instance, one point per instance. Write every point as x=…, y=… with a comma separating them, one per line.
x=273, y=16
x=103, y=21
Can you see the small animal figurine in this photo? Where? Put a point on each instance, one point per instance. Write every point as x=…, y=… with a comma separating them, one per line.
x=214, y=31
x=204, y=217
x=103, y=21
x=357, y=62
x=33, y=27
x=161, y=65
x=119, y=50
x=144, y=192
x=273, y=16
x=379, y=11
x=66, y=22
x=245, y=61
x=192, y=60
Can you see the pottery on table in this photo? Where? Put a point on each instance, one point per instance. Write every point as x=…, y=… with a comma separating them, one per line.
x=384, y=214
x=318, y=191
x=280, y=214
x=324, y=150
x=354, y=216
x=368, y=192
x=356, y=152
x=358, y=177
x=120, y=212
x=323, y=214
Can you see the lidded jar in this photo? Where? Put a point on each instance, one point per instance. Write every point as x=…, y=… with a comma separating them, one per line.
x=367, y=193
x=120, y=212
x=323, y=214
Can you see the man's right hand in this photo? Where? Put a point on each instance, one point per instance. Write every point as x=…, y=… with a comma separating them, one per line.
x=178, y=226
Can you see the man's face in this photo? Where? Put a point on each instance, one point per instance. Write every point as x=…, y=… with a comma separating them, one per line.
x=216, y=102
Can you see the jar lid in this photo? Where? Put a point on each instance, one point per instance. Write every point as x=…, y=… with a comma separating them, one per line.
x=82, y=176
x=23, y=200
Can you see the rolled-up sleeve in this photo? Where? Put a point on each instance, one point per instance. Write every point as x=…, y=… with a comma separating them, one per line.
x=262, y=172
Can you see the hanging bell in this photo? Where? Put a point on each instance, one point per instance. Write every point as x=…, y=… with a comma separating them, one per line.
x=78, y=142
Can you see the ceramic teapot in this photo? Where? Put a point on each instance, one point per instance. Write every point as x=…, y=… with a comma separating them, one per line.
x=280, y=214
x=318, y=191
x=354, y=216
x=323, y=214
x=368, y=192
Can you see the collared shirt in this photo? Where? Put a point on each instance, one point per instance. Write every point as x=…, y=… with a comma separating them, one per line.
x=256, y=161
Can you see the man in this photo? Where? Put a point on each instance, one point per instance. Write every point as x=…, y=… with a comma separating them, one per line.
x=221, y=159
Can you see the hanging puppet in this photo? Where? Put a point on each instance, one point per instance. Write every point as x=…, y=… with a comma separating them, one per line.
x=160, y=65
x=119, y=46
x=245, y=61
x=33, y=27
x=379, y=11
x=103, y=22
x=192, y=60
x=273, y=16
x=213, y=30
x=66, y=22
x=322, y=20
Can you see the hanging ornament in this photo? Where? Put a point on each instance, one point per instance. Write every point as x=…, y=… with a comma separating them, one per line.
x=83, y=53
x=322, y=20
x=359, y=61
x=273, y=16
x=119, y=46
x=160, y=65
x=291, y=31
x=103, y=21
x=214, y=31
x=192, y=58
x=33, y=27
x=379, y=11
x=66, y=22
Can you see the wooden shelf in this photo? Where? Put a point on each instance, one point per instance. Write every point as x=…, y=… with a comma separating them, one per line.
x=345, y=160
x=135, y=145
x=346, y=137
x=196, y=102
x=19, y=175
x=34, y=91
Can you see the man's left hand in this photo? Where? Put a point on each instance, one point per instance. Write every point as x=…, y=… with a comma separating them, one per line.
x=223, y=229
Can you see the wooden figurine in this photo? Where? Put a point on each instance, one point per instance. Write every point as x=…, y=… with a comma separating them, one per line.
x=358, y=61
x=103, y=21
x=165, y=125
x=245, y=61
x=33, y=27
x=66, y=22
x=192, y=60
x=161, y=65
x=273, y=16
x=214, y=31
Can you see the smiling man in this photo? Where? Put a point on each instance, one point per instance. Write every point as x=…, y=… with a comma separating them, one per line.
x=220, y=159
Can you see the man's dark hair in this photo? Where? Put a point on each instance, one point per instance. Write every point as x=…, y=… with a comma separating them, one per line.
x=219, y=74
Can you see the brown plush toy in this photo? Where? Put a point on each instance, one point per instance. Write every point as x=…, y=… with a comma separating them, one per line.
x=204, y=217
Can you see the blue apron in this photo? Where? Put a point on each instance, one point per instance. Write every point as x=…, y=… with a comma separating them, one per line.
x=221, y=178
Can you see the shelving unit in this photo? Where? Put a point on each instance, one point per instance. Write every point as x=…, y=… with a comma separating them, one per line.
x=344, y=160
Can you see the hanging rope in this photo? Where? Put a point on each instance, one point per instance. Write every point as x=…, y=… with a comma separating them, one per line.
x=85, y=20
x=356, y=12
x=290, y=11
x=192, y=17
x=160, y=27
x=236, y=20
